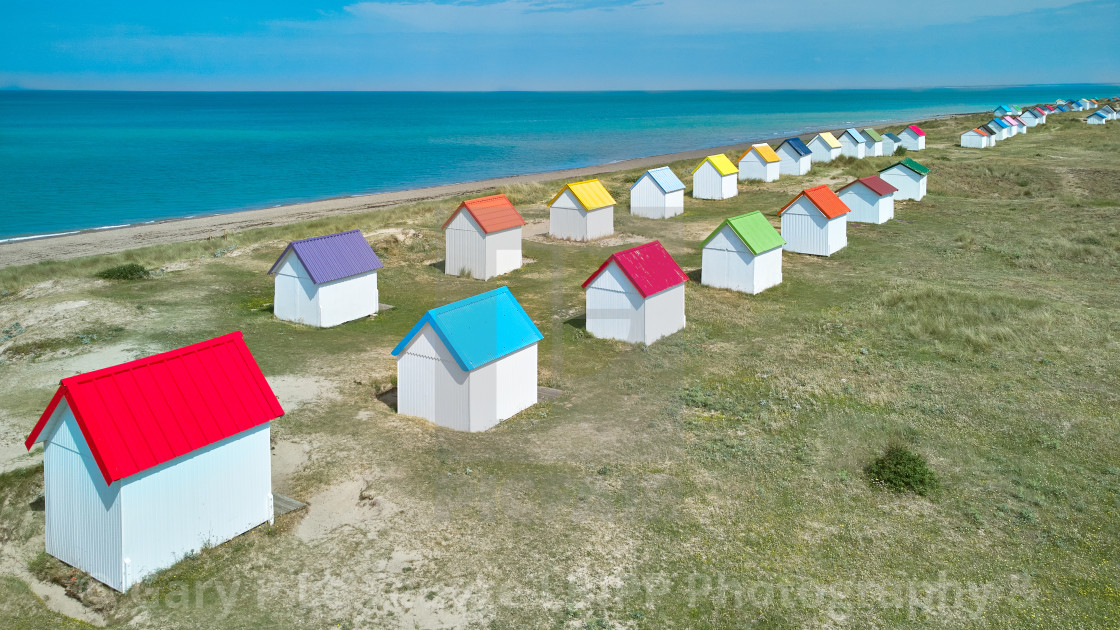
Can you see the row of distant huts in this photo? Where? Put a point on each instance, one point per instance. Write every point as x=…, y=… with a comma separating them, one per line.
x=149, y=460
x=1012, y=120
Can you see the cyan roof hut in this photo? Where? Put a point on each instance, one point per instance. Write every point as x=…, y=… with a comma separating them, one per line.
x=853, y=144
x=470, y=364
x=743, y=253
x=658, y=194
x=327, y=280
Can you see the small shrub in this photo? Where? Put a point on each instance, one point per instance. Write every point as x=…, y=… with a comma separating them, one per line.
x=131, y=271
x=902, y=470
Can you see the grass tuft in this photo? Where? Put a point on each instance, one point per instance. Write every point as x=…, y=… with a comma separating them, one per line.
x=129, y=271
x=902, y=470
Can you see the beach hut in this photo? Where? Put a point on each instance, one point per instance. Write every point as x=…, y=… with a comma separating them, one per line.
x=715, y=178
x=327, y=280
x=151, y=460
x=873, y=143
x=891, y=142
x=994, y=132
x=825, y=147
x=483, y=238
x=470, y=364
x=797, y=159
x=974, y=139
x=1033, y=117
x=1004, y=128
x=759, y=162
x=1077, y=106
x=913, y=138
x=1108, y=112
x=658, y=194
x=870, y=199
x=1004, y=110
x=1085, y=104
x=908, y=177
x=815, y=222
x=743, y=254
x=1096, y=118
x=581, y=211
x=636, y=296
x=1017, y=127
x=853, y=144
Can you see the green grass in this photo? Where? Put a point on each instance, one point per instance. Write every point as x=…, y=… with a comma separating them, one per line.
x=714, y=479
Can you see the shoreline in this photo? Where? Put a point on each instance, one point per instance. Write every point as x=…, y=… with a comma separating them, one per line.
x=35, y=248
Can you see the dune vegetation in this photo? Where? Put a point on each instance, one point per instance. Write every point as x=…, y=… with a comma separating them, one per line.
x=716, y=479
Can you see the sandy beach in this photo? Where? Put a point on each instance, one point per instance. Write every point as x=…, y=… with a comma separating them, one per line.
x=102, y=241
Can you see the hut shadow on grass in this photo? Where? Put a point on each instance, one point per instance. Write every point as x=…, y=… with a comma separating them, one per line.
x=694, y=275
x=579, y=322
x=389, y=398
x=439, y=265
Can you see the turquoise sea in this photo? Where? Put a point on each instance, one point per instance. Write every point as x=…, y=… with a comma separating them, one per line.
x=79, y=160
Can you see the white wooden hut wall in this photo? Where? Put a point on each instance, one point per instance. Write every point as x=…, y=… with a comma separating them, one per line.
x=807, y=231
x=822, y=152
x=793, y=163
x=752, y=166
x=431, y=385
x=648, y=200
x=568, y=220
x=483, y=255
x=851, y=148
x=866, y=205
x=296, y=298
x=910, y=185
x=616, y=310
x=707, y=183
x=123, y=532
x=727, y=263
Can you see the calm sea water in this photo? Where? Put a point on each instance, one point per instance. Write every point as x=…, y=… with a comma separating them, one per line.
x=75, y=160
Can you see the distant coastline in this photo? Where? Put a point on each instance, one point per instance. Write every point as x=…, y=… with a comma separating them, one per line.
x=95, y=241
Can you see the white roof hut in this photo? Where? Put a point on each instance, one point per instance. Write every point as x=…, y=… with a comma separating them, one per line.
x=658, y=194
x=470, y=364
x=760, y=162
x=1033, y=117
x=715, y=178
x=825, y=147
x=815, y=222
x=908, y=177
x=870, y=199
x=1108, y=112
x=891, y=142
x=327, y=280
x=636, y=296
x=744, y=253
x=483, y=238
x=975, y=139
x=797, y=159
x=853, y=144
x=913, y=138
x=148, y=461
x=582, y=211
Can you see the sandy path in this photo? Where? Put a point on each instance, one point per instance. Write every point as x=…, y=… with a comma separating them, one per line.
x=93, y=242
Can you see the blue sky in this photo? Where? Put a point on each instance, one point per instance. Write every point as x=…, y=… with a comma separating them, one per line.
x=553, y=44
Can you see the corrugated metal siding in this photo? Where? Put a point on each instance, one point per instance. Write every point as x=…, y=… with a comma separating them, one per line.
x=482, y=401
x=873, y=148
x=729, y=264
x=805, y=230
x=83, y=514
x=664, y=313
x=707, y=183
x=348, y=299
x=503, y=252
x=754, y=167
x=822, y=152
x=793, y=163
x=648, y=200
x=837, y=234
x=614, y=307
x=912, y=141
x=205, y=497
x=851, y=148
x=600, y=223
x=465, y=247
x=862, y=202
x=295, y=296
x=909, y=184
x=517, y=382
x=430, y=383
x=568, y=220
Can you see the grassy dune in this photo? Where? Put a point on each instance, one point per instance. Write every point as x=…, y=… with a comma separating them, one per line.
x=714, y=479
